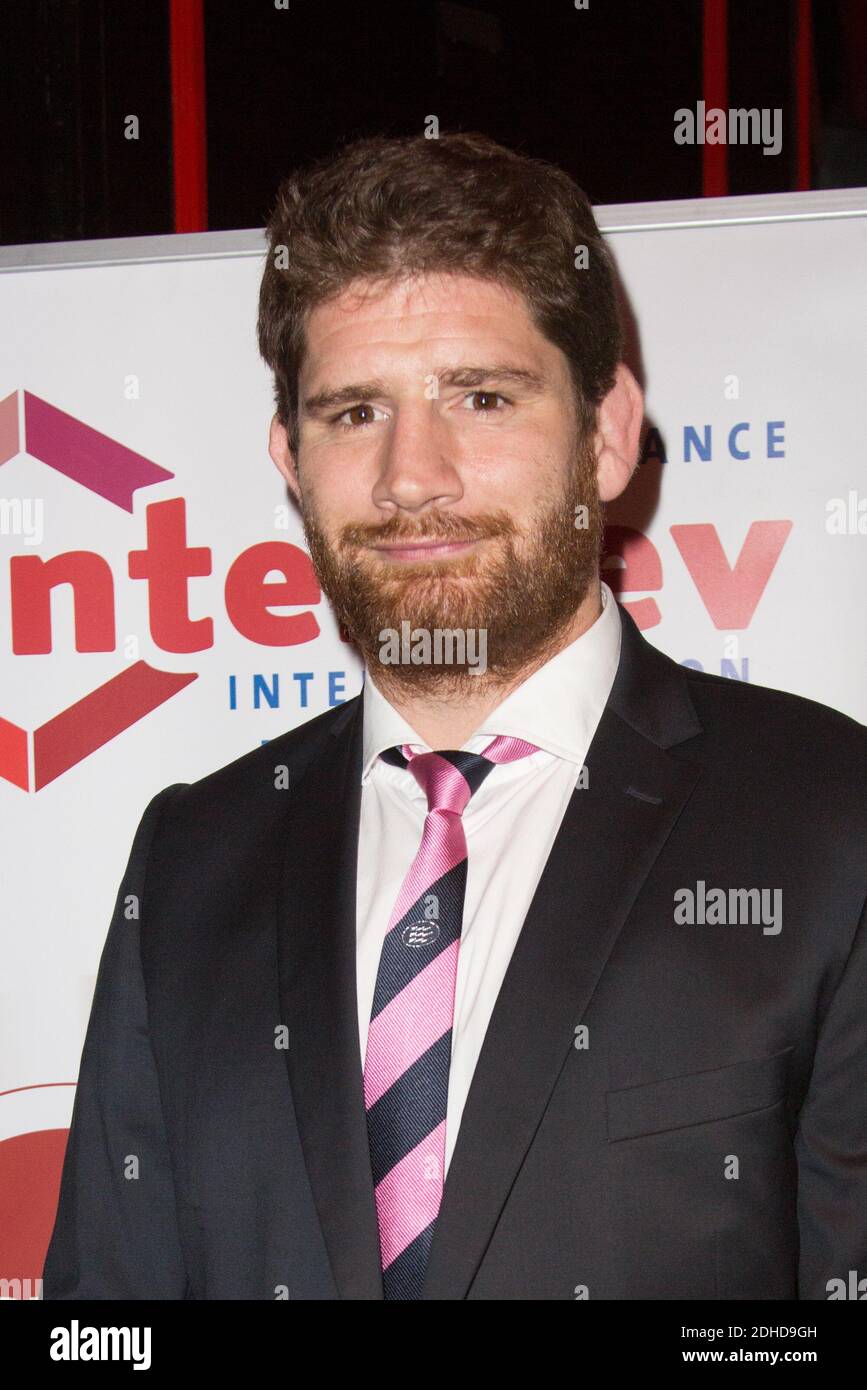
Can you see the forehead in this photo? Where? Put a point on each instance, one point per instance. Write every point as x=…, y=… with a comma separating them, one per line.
x=430, y=310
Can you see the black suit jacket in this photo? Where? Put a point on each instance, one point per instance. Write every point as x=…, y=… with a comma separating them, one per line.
x=705, y=1138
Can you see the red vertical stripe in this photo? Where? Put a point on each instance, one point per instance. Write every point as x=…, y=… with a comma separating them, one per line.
x=804, y=91
x=715, y=91
x=187, y=45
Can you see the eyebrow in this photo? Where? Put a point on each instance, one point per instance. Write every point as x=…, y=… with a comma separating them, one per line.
x=470, y=377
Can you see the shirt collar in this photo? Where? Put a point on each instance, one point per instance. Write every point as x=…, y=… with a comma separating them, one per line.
x=558, y=707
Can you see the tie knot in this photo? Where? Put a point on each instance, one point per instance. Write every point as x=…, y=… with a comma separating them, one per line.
x=449, y=776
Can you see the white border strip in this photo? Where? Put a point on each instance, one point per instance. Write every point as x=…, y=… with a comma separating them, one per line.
x=748, y=210
x=614, y=217
x=135, y=250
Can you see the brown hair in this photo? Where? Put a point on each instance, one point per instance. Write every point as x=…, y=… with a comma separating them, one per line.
x=385, y=208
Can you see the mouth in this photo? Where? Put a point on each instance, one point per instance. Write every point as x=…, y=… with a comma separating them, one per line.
x=413, y=551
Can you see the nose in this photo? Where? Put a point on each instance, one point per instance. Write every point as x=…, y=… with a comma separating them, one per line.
x=416, y=467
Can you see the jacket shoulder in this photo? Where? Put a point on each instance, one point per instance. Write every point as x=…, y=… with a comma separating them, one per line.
x=775, y=726
x=246, y=776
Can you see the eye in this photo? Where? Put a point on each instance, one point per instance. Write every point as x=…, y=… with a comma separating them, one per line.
x=488, y=398
x=363, y=408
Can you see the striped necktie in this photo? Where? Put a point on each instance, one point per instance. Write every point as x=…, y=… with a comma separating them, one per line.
x=408, y=1055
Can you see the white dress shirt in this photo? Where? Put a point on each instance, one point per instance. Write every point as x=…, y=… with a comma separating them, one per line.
x=510, y=825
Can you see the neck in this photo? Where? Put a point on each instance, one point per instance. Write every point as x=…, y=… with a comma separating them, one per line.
x=447, y=721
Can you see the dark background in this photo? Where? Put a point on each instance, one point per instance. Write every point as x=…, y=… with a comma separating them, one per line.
x=593, y=90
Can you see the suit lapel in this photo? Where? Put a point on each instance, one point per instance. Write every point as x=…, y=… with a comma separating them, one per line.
x=316, y=959
x=608, y=841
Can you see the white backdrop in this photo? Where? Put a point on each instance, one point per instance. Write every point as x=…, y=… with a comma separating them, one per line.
x=133, y=364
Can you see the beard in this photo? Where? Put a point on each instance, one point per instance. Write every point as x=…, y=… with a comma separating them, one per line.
x=521, y=588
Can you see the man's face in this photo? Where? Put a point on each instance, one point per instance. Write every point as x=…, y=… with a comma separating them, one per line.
x=439, y=473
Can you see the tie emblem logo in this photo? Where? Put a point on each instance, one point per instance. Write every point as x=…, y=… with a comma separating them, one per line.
x=418, y=934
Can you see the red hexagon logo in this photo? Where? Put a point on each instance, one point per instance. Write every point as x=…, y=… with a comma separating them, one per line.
x=114, y=472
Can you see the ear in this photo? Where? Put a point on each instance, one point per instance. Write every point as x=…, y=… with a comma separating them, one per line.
x=284, y=459
x=618, y=427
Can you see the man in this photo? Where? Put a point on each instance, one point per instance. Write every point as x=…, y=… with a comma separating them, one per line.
x=541, y=975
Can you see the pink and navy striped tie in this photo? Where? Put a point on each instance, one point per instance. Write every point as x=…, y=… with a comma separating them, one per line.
x=406, y=1064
